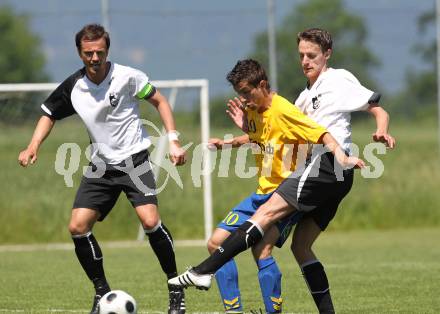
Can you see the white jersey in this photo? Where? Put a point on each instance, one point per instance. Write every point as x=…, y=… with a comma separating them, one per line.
x=109, y=110
x=332, y=98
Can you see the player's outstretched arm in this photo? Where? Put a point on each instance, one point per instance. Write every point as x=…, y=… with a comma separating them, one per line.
x=345, y=161
x=233, y=142
x=177, y=154
x=42, y=130
x=382, y=122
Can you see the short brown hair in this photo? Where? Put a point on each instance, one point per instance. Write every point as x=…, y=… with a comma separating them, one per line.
x=249, y=71
x=318, y=36
x=92, y=32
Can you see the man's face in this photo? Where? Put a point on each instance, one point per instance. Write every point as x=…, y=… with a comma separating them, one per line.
x=251, y=96
x=313, y=60
x=94, y=55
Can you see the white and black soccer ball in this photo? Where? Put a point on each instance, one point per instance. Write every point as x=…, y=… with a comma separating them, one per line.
x=117, y=302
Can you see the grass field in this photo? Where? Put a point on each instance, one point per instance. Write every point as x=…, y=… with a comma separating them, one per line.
x=370, y=272
x=381, y=252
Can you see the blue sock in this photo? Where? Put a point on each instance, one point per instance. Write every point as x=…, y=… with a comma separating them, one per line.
x=227, y=282
x=269, y=276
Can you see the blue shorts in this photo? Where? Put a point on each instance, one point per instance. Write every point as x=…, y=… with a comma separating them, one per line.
x=245, y=210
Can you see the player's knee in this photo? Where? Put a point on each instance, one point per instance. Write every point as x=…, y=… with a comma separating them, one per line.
x=82, y=220
x=215, y=241
x=148, y=216
x=212, y=245
x=149, y=223
x=79, y=227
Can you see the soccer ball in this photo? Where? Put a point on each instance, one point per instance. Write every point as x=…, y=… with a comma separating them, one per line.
x=117, y=302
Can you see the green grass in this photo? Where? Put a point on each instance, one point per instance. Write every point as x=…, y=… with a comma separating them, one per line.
x=369, y=271
x=406, y=194
x=36, y=203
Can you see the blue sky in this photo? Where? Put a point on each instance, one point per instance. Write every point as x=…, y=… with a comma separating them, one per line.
x=175, y=39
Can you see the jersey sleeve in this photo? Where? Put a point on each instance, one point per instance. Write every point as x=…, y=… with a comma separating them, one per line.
x=297, y=126
x=59, y=103
x=350, y=94
x=143, y=89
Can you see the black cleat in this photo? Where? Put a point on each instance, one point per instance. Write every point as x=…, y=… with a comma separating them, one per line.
x=177, y=300
x=95, y=305
x=101, y=288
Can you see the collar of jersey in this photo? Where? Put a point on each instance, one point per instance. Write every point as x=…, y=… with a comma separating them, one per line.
x=320, y=78
x=104, y=83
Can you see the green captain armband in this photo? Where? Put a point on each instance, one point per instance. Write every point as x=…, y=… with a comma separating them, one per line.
x=146, y=92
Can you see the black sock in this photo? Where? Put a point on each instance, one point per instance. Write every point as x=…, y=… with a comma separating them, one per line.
x=316, y=280
x=101, y=286
x=162, y=244
x=240, y=240
x=90, y=257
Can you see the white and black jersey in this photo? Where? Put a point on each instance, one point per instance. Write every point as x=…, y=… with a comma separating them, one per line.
x=319, y=187
x=331, y=99
x=109, y=110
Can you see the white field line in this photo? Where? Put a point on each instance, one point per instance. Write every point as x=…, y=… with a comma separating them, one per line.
x=109, y=244
x=190, y=243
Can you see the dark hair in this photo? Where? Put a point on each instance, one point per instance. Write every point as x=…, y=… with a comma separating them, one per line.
x=249, y=71
x=92, y=32
x=318, y=36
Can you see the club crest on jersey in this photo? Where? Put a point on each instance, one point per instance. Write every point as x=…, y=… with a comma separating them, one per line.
x=114, y=99
x=316, y=102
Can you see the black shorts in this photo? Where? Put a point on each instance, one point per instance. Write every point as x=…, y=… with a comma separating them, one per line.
x=318, y=189
x=101, y=193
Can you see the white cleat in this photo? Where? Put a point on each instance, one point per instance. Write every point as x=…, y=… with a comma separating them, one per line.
x=191, y=279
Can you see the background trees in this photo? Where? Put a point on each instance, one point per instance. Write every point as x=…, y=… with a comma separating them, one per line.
x=419, y=96
x=349, y=34
x=21, y=57
x=22, y=60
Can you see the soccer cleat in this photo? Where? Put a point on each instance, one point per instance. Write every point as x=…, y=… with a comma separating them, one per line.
x=95, y=305
x=177, y=300
x=191, y=279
